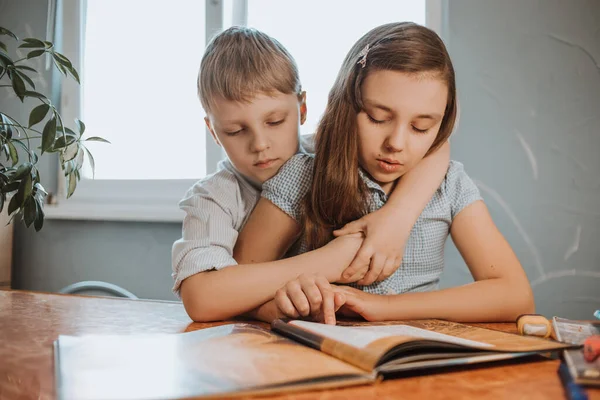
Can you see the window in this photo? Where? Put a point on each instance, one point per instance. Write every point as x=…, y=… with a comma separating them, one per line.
x=319, y=34
x=139, y=60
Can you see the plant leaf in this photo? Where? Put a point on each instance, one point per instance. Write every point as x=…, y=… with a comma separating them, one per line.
x=3, y=47
x=49, y=134
x=79, y=159
x=31, y=46
x=14, y=204
x=38, y=114
x=73, y=72
x=18, y=86
x=26, y=186
x=80, y=126
x=72, y=184
x=35, y=53
x=4, y=31
x=61, y=142
x=61, y=68
x=70, y=151
x=11, y=187
x=24, y=169
x=26, y=68
x=26, y=79
x=31, y=93
x=41, y=189
x=39, y=216
x=96, y=139
x=62, y=59
x=29, y=211
x=35, y=41
x=14, y=155
x=92, y=162
x=6, y=126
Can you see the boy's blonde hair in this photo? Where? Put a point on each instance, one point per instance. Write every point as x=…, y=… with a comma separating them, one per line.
x=242, y=62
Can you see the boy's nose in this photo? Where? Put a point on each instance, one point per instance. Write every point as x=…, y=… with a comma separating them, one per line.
x=260, y=142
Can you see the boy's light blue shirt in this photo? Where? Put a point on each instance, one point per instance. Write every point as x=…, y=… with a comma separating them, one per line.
x=216, y=209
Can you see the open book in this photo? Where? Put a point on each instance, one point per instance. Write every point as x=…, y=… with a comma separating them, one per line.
x=243, y=359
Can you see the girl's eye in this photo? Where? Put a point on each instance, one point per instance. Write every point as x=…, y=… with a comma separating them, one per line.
x=375, y=121
x=275, y=123
x=419, y=130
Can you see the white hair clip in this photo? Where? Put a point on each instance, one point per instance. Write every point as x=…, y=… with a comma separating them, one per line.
x=362, y=56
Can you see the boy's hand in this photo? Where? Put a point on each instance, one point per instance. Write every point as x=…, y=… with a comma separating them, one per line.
x=380, y=250
x=345, y=249
x=309, y=296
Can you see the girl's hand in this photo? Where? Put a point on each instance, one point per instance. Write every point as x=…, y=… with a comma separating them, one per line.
x=309, y=296
x=360, y=304
x=380, y=250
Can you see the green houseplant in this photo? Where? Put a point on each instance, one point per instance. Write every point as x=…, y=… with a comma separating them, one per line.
x=21, y=144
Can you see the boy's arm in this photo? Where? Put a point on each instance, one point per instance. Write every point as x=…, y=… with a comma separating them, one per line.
x=388, y=228
x=237, y=289
x=501, y=291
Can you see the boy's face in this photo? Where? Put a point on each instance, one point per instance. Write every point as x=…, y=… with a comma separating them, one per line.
x=258, y=136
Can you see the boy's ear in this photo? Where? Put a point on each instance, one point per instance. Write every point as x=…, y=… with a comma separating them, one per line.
x=212, y=132
x=303, y=109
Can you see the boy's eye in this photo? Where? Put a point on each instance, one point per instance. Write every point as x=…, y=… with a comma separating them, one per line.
x=275, y=123
x=233, y=133
x=375, y=121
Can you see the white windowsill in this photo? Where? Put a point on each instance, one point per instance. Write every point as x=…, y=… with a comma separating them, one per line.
x=114, y=212
x=122, y=200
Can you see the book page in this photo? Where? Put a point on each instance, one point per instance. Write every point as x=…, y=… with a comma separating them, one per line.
x=362, y=336
x=217, y=361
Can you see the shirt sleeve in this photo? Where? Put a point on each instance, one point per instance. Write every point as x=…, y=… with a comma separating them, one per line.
x=287, y=189
x=208, y=235
x=459, y=188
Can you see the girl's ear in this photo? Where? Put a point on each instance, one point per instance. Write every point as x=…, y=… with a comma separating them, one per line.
x=303, y=109
x=212, y=132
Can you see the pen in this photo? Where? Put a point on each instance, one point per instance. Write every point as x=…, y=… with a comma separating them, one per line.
x=572, y=389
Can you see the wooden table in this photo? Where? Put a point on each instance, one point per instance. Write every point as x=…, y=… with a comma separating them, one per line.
x=30, y=322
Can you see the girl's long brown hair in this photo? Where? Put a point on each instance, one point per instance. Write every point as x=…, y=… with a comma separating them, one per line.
x=338, y=195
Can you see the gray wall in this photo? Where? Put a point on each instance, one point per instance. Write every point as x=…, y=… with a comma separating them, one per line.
x=529, y=86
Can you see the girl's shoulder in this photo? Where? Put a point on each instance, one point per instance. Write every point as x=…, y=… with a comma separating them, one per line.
x=458, y=189
x=287, y=189
x=298, y=167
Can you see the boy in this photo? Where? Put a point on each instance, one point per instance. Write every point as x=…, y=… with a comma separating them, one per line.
x=250, y=89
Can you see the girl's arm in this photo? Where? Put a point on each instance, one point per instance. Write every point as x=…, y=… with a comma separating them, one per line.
x=501, y=291
x=231, y=291
x=388, y=228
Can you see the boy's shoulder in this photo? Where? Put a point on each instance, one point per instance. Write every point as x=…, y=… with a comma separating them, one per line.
x=226, y=186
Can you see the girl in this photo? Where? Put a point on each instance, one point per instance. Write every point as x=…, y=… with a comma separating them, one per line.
x=393, y=102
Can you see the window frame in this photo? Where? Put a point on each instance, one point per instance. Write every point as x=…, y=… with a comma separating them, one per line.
x=143, y=200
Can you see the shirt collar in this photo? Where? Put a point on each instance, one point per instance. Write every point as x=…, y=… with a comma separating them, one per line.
x=243, y=179
x=371, y=184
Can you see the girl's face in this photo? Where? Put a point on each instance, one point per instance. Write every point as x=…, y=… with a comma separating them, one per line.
x=400, y=121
